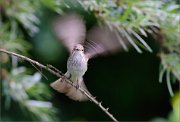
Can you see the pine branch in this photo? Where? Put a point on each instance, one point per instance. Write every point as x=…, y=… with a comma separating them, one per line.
x=58, y=73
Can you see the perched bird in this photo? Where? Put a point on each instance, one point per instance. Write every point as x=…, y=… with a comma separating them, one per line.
x=70, y=30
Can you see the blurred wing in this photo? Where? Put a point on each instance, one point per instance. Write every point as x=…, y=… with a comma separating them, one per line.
x=102, y=40
x=70, y=29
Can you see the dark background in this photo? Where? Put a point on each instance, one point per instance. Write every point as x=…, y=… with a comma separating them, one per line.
x=126, y=82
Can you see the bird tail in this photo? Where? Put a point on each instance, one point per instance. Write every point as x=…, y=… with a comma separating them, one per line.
x=70, y=91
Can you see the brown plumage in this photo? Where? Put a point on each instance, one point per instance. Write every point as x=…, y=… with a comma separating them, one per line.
x=71, y=31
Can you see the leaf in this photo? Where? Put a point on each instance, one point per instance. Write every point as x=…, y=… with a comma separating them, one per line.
x=131, y=41
x=162, y=71
x=141, y=40
x=169, y=83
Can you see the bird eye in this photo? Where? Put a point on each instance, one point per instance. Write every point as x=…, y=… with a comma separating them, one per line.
x=79, y=49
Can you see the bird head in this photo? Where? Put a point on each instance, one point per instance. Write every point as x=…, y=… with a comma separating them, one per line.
x=78, y=48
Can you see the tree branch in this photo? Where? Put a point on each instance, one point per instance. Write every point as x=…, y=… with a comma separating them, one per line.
x=59, y=74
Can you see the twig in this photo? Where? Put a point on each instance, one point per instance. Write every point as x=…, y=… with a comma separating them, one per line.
x=60, y=75
x=50, y=66
x=39, y=71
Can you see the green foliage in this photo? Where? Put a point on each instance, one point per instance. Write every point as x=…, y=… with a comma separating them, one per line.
x=174, y=114
x=27, y=92
x=22, y=13
x=140, y=18
x=12, y=39
x=136, y=20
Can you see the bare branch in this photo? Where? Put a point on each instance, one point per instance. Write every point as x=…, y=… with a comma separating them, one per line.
x=59, y=74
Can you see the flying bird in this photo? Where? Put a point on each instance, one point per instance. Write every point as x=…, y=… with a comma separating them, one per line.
x=82, y=46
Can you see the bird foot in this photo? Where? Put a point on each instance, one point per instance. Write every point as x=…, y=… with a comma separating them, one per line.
x=77, y=86
x=63, y=79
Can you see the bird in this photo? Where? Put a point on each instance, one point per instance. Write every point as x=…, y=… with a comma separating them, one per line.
x=70, y=29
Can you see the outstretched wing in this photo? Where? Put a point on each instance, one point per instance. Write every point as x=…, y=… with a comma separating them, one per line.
x=70, y=29
x=102, y=40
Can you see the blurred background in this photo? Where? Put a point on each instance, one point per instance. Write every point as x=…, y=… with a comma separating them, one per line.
x=141, y=84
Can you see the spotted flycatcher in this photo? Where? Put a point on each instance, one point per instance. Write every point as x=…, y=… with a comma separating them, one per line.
x=70, y=29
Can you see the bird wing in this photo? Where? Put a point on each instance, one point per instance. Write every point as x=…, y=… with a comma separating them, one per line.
x=102, y=40
x=70, y=29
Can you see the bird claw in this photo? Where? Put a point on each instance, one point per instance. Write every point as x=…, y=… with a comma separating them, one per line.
x=77, y=86
x=63, y=79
